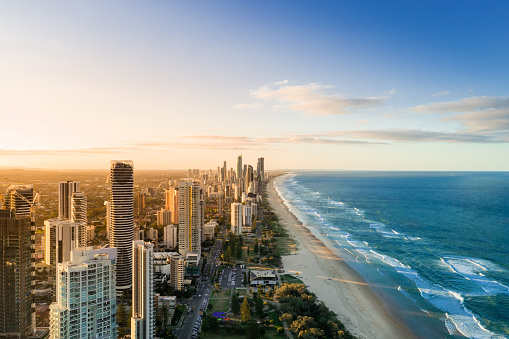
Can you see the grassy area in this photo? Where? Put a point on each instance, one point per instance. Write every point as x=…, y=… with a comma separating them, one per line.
x=290, y=279
x=220, y=300
x=220, y=293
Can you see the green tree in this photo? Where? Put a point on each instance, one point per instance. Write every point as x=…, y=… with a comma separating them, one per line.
x=122, y=320
x=245, y=311
x=256, y=246
x=235, y=303
x=259, y=305
x=238, y=250
x=253, y=330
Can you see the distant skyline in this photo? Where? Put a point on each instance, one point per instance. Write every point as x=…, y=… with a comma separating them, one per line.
x=360, y=85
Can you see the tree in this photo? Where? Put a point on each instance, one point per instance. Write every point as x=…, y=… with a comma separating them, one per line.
x=235, y=303
x=256, y=246
x=253, y=330
x=238, y=250
x=259, y=305
x=228, y=255
x=245, y=311
x=122, y=319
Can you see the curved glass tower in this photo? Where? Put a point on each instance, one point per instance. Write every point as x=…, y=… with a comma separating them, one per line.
x=122, y=219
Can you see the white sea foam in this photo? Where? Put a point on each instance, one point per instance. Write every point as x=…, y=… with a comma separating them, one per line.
x=471, y=269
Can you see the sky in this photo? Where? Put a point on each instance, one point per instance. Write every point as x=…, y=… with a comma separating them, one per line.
x=355, y=85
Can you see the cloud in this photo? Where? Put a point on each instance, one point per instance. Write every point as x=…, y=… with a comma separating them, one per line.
x=414, y=135
x=438, y=94
x=248, y=106
x=487, y=115
x=312, y=99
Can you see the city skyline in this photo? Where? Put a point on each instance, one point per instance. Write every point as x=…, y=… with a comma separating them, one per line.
x=356, y=86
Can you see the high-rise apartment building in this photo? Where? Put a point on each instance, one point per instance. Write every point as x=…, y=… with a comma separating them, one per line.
x=61, y=236
x=171, y=203
x=65, y=191
x=79, y=209
x=122, y=219
x=239, y=167
x=163, y=217
x=143, y=311
x=190, y=216
x=236, y=218
x=177, y=272
x=141, y=204
x=247, y=215
x=86, y=299
x=170, y=236
x=249, y=176
x=19, y=199
x=15, y=276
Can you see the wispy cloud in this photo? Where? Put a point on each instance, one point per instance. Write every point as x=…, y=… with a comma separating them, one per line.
x=486, y=115
x=312, y=99
x=442, y=93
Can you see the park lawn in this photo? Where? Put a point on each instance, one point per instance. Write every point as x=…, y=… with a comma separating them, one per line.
x=290, y=279
x=220, y=293
x=220, y=300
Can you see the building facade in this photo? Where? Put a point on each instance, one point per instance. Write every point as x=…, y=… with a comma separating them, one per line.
x=170, y=236
x=143, y=312
x=190, y=217
x=122, y=219
x=15, y=276
x=236, y=218
x=86, y=300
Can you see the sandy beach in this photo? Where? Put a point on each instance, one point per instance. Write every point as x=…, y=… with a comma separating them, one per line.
x=334, y=282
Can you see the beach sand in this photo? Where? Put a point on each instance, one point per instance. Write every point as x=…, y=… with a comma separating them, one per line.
x=335, y=283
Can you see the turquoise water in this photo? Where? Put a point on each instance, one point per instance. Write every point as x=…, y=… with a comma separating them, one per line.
x=441, y=239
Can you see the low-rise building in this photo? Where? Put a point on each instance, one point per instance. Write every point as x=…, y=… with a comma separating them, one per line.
x=262, y=277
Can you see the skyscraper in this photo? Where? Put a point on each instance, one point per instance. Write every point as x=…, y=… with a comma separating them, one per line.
x=18, y=198
x=79, y=210
x=15, y=275
x=61, y=236
x=239, y=167
x=86, y=300
x=177, y=267
x=171, y=203
x=163, y=217
x=143, y=312
x=122, y=219
x=236, y=218
x=141, y=204
x=261, y=173
x=65, y=191
x=189, y=217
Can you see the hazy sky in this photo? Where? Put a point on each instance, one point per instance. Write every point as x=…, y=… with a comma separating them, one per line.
x=370, y=85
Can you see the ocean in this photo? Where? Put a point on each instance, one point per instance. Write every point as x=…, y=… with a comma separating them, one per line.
x=440, y=240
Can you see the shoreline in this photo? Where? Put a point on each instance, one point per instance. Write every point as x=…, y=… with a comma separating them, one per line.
x=358, y=305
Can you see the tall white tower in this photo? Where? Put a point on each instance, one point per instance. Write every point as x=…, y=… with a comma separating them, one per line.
x=122, y=219
x=143, y=315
